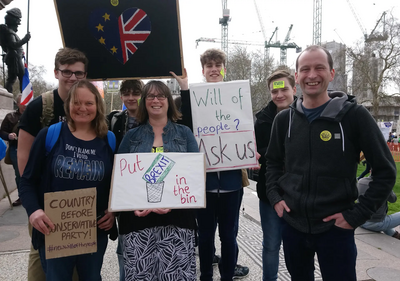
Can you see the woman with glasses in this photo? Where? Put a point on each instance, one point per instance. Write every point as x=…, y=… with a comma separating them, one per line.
x=159, y=243
x=60, y=168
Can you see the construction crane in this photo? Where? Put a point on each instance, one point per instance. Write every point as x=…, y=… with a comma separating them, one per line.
x=371, y=37
x=284, y=46
x=224, y=26
x=317, y=22
x=236, y=42
x=378, y=37
x=273, y=33
x=266, y=50
x=363, y=30
x=277, y=44
x=284, y=50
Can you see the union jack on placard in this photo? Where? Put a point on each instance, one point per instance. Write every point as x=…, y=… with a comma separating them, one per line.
x=130, y=33
x=121, y=36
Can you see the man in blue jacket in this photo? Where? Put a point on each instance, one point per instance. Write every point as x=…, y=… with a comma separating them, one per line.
x=318, y=141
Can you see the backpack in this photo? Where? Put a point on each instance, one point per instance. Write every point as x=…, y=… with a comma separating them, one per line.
x=47, y=108
x=53, y=134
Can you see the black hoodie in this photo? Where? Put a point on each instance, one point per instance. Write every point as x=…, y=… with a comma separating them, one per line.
x=320, y=160
x=262, y=128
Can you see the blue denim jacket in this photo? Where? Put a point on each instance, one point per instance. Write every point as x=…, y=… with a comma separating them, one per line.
x=176, y=138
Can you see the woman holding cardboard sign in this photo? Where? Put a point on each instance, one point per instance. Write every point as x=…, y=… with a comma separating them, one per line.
x=69, y=156
x=159, y=243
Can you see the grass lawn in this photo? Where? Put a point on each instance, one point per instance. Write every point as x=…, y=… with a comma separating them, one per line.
x=393, y=207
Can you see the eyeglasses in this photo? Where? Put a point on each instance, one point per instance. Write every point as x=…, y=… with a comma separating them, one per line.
x=127, y=93
x=159, y=97
x=68, y=73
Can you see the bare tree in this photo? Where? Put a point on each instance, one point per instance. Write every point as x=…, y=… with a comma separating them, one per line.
x=39, y=85
x=375, y=63
x=239, y=62
x=252, y=66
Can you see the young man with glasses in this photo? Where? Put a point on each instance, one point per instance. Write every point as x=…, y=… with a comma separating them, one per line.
x=119, y=124
x=70, y=66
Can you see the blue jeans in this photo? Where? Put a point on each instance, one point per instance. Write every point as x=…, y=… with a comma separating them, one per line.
x=14, y=161
x=271, y=226
x=120, y=255
x=387, y=225
x=335, y=249
x=87, y=265
x=222, y=209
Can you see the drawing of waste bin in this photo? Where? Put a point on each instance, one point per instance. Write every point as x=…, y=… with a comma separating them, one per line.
x=155, y=176
x=154, y=192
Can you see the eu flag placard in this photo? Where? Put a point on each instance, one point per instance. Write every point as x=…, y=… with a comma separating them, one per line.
x=124, y=39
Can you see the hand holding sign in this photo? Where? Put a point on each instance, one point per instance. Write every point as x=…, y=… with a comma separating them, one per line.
x=182, y=81
x=107, y=221
x=41, y=222
x=142, y=213
x=161, y=211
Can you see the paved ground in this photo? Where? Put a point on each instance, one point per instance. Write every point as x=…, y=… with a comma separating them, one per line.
x=378, y=255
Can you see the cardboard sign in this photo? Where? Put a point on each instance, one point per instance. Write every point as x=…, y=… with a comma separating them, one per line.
x=223, y=124
x=124, y=39
x=157, y=180
x=73, y=214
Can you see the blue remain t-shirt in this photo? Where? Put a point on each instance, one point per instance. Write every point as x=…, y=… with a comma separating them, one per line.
x=82, y=164
x=71, y=164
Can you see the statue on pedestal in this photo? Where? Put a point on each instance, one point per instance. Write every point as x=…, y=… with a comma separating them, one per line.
x=12, y=47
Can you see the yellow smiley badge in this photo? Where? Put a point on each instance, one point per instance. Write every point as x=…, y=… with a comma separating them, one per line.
x=114, y=2
x=278, y=85
x=222, y=72
x=325, y=135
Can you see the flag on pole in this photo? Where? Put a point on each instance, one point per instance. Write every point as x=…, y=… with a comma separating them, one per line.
x=27, y=92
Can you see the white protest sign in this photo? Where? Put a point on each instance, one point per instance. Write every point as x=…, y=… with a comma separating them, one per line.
x=386, y=128
x=223, y=124
x=157, y=180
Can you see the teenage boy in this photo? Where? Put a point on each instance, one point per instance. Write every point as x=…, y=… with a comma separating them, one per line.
x=45, y=110
x=120, y=123
x=281, y=84
x=224, y=190
x=318, y=141
x=123, y=121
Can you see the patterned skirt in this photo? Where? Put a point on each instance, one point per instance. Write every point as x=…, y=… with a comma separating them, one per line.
x=164, y=253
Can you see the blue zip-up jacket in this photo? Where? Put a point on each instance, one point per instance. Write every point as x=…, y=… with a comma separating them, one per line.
x=224, y=180
x=62, y=169
x=320, y=163
x=176, y=138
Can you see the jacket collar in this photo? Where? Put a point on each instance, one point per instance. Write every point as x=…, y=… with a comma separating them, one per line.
x=149, y=128
x=338, y=106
